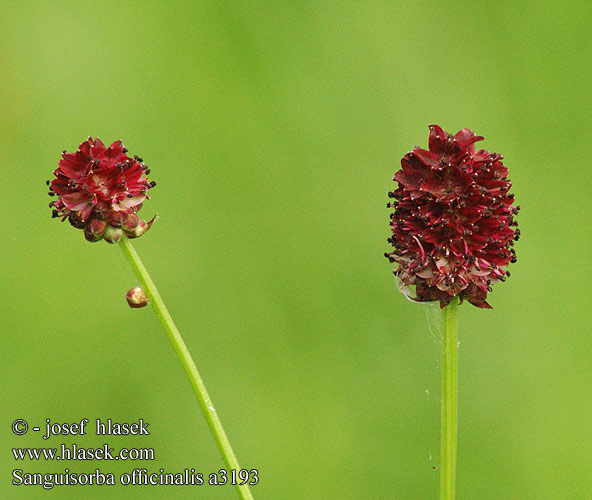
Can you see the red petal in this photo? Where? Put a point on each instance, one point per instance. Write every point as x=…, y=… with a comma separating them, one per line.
x=428, y=158
x=413, y=174
x=117, y=147
x=97, y=149
x=131, y=202
x=73, y=168
x=85, y=147
x=467, y=136
x=437, y=139
x=436, y=187
x=115, y=153
x=76, y=201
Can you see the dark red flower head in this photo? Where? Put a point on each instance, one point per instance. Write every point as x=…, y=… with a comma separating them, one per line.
x=453, y=224
x=100, y=190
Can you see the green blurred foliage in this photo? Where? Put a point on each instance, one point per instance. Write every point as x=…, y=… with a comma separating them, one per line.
x=273, y=130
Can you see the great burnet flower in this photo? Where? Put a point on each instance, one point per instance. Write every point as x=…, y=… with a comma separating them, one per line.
x=100, y=190
x=453, y=223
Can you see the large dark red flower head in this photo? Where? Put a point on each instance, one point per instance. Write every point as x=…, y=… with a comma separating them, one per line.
x=453, y=224
x=100, y=190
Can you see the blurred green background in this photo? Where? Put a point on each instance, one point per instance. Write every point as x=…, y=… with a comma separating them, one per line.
x=273, y=130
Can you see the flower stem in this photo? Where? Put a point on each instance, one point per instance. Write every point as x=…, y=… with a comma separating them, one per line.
x=195, y=379
x=449, y=415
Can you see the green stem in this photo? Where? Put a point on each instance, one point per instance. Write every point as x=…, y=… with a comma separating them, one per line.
x=449, y=416
x=197, y=383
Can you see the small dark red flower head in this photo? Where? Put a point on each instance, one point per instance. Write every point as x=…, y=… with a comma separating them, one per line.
x=100, y=190
x=453, y=220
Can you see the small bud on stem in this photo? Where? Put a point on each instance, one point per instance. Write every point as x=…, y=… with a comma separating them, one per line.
x=136, y=297
x=113, y=234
